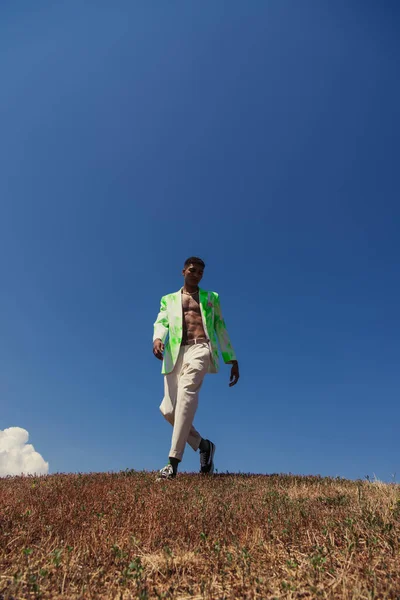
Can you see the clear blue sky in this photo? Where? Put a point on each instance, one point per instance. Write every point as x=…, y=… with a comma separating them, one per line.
x=262, y=136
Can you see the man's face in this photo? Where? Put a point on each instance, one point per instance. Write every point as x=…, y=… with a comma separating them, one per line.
x=193, y=274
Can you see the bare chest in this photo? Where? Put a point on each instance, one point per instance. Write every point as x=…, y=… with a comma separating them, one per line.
x=191, y=305
x=192, y=318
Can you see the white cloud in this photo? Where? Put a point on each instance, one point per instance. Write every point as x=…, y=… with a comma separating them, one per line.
x=17, y=457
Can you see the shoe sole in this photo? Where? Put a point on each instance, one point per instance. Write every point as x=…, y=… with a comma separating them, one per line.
x=211, y=471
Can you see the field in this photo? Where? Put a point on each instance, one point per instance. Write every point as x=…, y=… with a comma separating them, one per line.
x=124, y=535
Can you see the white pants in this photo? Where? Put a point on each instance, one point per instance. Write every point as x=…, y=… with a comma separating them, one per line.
x=181, y=390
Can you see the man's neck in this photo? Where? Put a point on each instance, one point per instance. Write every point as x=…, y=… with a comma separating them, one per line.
x=190, y=289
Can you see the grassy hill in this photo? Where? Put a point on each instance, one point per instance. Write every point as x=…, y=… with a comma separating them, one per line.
x=124, y=535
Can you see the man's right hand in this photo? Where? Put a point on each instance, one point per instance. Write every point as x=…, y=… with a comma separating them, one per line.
x=158, y=349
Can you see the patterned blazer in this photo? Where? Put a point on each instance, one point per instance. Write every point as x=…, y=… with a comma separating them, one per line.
x=169, y=322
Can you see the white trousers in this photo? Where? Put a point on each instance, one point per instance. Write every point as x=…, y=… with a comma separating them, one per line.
x=181, y=391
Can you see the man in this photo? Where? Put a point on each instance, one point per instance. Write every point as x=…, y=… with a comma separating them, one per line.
x=192, y=319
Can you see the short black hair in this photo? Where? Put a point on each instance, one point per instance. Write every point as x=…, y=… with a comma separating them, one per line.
x=194, y=260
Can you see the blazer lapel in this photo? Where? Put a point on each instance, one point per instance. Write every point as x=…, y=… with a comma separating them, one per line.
x=176, y=308
x=203, y=300
x=203, y=297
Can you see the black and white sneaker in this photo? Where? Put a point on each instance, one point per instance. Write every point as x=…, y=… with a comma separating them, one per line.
x=207, y=459
x=166, y=473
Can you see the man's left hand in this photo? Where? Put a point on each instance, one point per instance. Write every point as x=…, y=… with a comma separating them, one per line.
x=234, y=373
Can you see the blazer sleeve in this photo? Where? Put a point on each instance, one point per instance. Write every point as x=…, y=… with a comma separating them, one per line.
x=227, y=351
x=161, y=325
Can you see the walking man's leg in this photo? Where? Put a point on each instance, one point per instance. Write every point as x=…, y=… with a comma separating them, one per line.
x=181, y=400
x=168, y=404
x=194, y=368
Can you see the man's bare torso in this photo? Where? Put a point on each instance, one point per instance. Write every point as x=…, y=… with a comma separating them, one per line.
x=192, y=321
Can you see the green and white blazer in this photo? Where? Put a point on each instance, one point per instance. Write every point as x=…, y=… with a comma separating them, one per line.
x=169, y=323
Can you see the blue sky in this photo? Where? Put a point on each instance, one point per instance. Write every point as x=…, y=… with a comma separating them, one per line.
x=263, y=137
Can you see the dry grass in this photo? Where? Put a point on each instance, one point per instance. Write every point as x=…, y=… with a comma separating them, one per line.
x=123, y=535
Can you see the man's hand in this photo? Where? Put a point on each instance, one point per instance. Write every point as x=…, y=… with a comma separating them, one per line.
x=234, y=373
x=158, y=349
